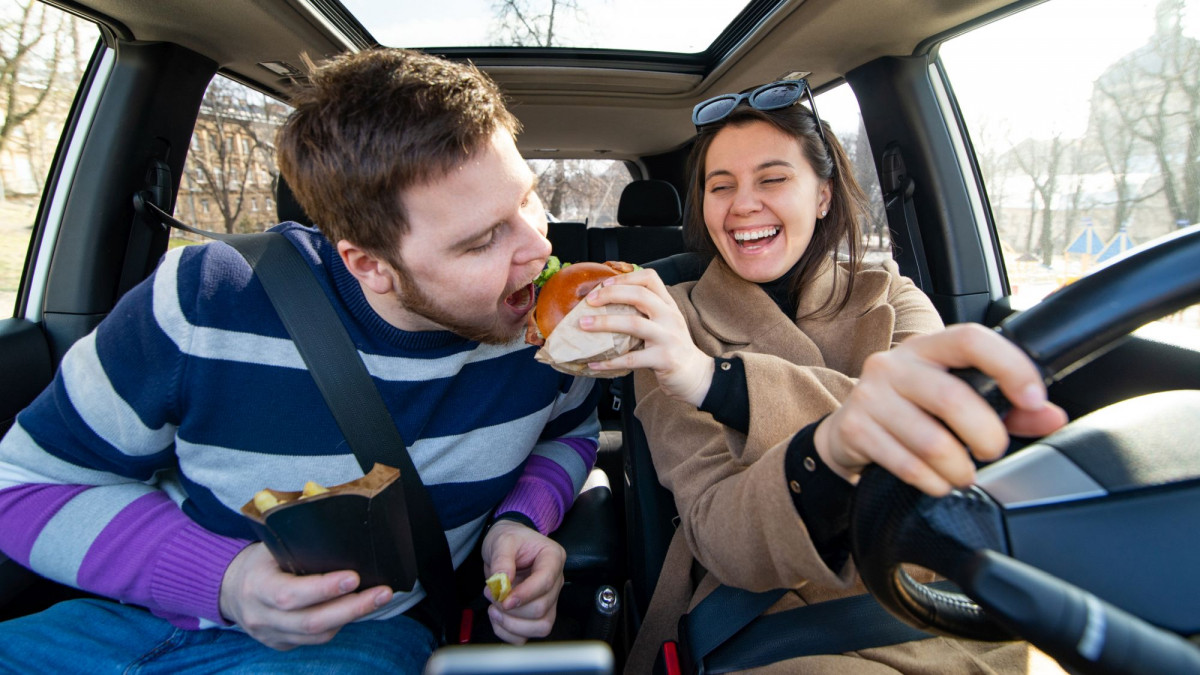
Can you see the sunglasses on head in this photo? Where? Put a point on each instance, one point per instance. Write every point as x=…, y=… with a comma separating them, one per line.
x=773, y=96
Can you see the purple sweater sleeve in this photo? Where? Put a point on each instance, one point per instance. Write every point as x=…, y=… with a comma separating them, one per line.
x=550, y=480
x=186, y=563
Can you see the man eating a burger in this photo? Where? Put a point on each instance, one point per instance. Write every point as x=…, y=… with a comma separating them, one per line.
x=125, y=477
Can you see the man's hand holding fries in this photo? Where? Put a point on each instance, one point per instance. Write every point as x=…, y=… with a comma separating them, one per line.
x=534, y=563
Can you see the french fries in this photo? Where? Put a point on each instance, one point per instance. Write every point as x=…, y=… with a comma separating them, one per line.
x=499, y=585
x=265, y=500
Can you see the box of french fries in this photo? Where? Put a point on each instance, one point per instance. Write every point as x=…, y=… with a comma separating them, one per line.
x=361, y=525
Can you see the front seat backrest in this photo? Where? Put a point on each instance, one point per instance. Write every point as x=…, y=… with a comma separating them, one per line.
x=568, y=240
x=649, y=215
x=286, y=206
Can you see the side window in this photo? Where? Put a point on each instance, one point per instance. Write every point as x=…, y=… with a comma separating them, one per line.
x=1088, y=139
x=229, y=178
x=581, y=190
x=839, y=109
x=45, y=53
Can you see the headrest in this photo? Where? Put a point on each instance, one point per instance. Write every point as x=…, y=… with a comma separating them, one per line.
x=649, y=203
x=286, y=206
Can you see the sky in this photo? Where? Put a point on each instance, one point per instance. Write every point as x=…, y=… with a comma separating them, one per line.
x=468, y=22
x=1036, y=68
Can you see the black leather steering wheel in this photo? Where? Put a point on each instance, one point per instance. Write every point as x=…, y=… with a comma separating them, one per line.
x=969, y=537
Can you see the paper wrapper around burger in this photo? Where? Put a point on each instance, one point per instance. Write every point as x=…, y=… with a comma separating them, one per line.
x=361, y=525
x=570, y=348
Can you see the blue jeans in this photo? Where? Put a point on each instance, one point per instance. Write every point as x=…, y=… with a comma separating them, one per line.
x=97, y=636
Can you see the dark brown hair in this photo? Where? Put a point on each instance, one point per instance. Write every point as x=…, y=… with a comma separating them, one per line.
x=369, y=125
x=839, y=228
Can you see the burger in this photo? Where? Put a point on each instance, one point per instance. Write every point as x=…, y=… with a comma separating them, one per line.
x=562, y=288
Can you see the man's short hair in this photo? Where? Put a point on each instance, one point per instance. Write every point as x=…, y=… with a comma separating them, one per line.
x=369, y=125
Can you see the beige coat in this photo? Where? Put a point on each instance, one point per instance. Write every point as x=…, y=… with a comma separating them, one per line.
x=737, y=514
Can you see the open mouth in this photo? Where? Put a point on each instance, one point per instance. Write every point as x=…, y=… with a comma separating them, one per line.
x=755, y=238
x=522, y=299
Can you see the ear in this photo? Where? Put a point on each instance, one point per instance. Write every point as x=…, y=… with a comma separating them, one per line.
x=374, y=274
x=825, y=196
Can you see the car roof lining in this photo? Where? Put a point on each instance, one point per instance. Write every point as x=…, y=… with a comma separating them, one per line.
x=630, y=111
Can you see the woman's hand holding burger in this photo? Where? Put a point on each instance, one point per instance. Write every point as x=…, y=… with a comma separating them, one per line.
x=684, y=372
x=563, y=287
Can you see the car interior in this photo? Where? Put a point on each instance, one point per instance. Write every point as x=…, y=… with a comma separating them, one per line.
x=1122, y=541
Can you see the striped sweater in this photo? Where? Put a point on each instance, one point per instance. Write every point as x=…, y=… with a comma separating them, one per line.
x=126, y=476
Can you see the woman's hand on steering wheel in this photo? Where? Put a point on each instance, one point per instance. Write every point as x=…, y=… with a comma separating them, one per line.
x=910, y=415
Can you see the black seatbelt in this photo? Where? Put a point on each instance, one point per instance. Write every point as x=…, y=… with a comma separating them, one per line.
x=898, y=188
x=728, y=631
x=340, y=375
x=142, y=233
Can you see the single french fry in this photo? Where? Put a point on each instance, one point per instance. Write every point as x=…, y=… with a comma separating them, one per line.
x=265, y=500
x=312, y=488
x=499, y=585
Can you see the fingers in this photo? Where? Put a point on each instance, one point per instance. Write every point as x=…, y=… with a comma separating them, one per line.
x=1035, y=423
x=319, y=613
x=882, y=426
x=282, y=610
x=932, y=394
x=955, y=403
x=517, y=630
x=642, y=289
x=908, y=414
x=972, y=345
x=289, y=592
x=529, y=610
x=544, y=581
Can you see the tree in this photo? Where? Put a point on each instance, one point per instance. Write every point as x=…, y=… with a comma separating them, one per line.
x=995, y=166
x=1040, y=161
x=1146, y=108
x=1117, y=142
x=28, y=73
x=858, y=150
x=580, y=189
x=232, y=148
x=533, y=23
x=1079, y=161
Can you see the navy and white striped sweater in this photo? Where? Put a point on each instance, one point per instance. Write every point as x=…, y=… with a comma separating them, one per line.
x=126, y=475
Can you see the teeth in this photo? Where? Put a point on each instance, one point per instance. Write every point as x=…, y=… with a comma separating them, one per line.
x=751, y=235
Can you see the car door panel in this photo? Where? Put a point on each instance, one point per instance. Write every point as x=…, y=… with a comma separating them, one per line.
x=148, y=112
x=27, y=366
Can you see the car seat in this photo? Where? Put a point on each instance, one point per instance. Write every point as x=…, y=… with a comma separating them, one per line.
x=649, y=215
x=286, y=206
x=650, y=513
x=568, y=240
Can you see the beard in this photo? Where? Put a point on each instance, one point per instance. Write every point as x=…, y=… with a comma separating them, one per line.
x=419, y=302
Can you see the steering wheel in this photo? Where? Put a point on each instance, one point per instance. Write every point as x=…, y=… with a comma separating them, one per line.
x=1046, y=544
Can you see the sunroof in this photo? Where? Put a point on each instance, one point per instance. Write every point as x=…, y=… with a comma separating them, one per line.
x=683, y=26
